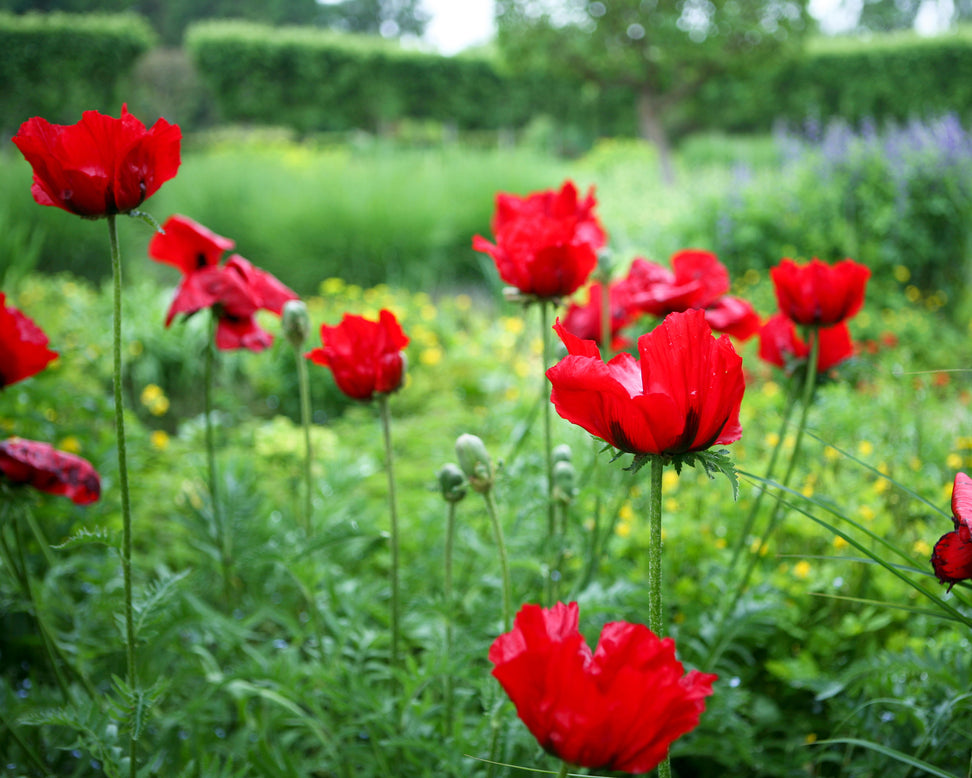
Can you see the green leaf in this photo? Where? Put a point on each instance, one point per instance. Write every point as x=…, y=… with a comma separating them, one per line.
x=890, y=752
x=87, y=537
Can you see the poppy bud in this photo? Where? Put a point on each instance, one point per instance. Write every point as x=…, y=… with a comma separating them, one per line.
x=295, y=322
x=563, y=481
x=475, y=462
x=452, y=483
x=561, y=453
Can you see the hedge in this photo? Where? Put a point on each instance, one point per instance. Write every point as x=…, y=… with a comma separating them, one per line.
x=885, y=78
x=312, y=79
x=58, y=65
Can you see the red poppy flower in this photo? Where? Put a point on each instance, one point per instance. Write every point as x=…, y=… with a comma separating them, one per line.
x=683, y=396
x=817, y=294
x=780, y=345
x=45, y=468
x=23, y=346
x=618, y=708
x=733, y=316
x=365, y=356
x=235, y=291
x=697, y=279
x=584, y=320
x=546, y=243
x=101, y=165
x=952, y=556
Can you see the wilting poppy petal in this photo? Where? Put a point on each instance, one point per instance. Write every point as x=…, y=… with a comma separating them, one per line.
x=43, y=467
x=618, y=708
x=187, y=244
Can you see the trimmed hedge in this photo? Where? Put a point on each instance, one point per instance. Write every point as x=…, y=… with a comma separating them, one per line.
x=58, y=65
x=886, y=78
x=312, y=80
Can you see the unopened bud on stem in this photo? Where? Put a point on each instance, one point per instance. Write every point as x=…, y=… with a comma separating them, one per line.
x=475, y=462
x=295, y=322
x=452, y=483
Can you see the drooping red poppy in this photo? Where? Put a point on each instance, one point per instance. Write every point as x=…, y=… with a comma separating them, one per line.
x=683, y=395
x=780, y=345
x=618, y=708
x=235, y=290
x=697, y=279
x=365, y=356
x=43, y=467
x=101, y=165
x=23, y=346
x=817, y=294
x=952, y=556
x=546, y=243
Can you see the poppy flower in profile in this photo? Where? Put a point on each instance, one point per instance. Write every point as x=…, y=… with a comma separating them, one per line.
x=618, y=708
x=43, y=467
x=364, y=356
x=683, y=394
x=23, y=346
x=697, y=280
x=952, y=556
x=100, y=166
x=546, y=243
x=817, y=294
x=584, y=319
x=234, y=291
x=780, y=345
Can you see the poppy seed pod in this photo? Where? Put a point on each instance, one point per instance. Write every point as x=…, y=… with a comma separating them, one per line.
x=295, y=322
x=452, y=483
x=475, y=462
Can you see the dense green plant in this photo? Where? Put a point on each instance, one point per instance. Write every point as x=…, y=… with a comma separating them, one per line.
x=896, y=198
x=289, y=679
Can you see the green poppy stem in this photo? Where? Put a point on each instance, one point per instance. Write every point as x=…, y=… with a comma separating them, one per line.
x=393, y=510
x=770, y=468
x=564, y=770
x=605, y=318
x=303, y=383
x=126, y=550
x=450, y=614
x=219, y=525
x=504, y=560
x=547, y=435
x=655, y=612
x=806, y=401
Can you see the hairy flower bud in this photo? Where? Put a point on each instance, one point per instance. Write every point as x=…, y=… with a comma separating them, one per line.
x=563, y=481
x=475, y=462
x=561, y=453
x=295, y=322
x=452, y=483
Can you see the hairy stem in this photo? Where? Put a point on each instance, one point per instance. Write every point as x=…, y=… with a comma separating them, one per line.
x=126, y=555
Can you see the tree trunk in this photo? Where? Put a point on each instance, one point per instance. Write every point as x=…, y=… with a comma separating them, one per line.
x=651, y=128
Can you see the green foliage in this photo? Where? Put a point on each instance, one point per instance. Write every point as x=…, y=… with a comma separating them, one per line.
x=898, y=200
x=891, y=77
x=58, y=65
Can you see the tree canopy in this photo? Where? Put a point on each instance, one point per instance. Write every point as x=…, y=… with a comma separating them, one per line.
x=664, y=50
